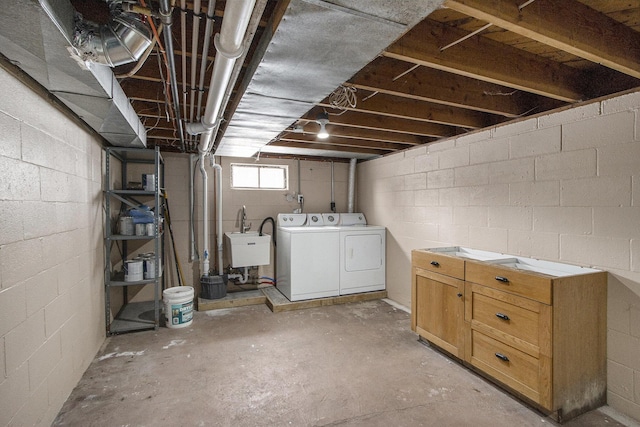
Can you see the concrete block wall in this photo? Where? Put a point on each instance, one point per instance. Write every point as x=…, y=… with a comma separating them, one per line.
x=51, y=254
x=563, y=186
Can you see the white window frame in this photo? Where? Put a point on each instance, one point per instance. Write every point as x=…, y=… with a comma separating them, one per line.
x=284, y=168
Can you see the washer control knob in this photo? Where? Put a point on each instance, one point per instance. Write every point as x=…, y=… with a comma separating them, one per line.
x=314, y=218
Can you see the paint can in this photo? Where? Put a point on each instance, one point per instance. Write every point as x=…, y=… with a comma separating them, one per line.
x=126, y=225
x=178, y=306
x=149, y=267
x=140, y=229
x=149, y=262
x=133, y=270
x=149, y=181
x=150, y=229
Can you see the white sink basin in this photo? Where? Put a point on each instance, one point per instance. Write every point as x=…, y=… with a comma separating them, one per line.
x=549, y=268
x=476, y=254
x=543, y=267
x=248, y=249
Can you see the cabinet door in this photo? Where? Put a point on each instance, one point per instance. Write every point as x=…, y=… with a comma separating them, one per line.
x=440, y=310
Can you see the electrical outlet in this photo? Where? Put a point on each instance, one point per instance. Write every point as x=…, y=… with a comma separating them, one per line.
x=300, y=198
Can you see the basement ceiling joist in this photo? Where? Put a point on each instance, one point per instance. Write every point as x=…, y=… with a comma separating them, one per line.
x=568, y=25
x=468, y=65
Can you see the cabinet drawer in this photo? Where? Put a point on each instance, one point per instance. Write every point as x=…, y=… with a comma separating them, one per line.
x=442, y=264
x=514, y=368
x=529, y=285
x=505, y=318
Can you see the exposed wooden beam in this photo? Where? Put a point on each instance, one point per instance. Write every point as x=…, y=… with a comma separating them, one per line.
x=343, y=142
x=568, y=25
x=363, y=120
x=321, y=146
x=488, y=60
x=368, y=134
x=431, y=85
x=395, y=106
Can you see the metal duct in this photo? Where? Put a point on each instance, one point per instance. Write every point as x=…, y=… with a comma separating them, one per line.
x=37, y=36
x=123, y=40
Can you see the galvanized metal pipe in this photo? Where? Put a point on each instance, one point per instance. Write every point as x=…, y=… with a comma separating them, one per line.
x=194, y=55
x=165, y=13
x=205, y=53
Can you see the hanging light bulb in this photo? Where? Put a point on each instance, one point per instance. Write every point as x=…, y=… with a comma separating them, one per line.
x=323, y=119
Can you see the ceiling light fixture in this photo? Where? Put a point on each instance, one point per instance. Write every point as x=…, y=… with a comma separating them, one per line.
x=323, y=119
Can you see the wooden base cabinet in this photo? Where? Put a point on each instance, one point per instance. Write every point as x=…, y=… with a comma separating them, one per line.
x=536, y=327
x=439, y=305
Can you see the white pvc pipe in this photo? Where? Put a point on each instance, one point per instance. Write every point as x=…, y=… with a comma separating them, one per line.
x=218, y=170
x=205, y=218
x=229, y=47
x=352, y=185
x=243, y=278
x=192, y=236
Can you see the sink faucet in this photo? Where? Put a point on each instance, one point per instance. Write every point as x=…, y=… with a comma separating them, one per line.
x=244, y=228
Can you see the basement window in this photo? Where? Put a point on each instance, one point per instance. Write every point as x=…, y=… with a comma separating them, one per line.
x=259, y=177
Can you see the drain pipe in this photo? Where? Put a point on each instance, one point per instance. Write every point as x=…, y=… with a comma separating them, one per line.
x=352, y=184
x=165, y=14
x=242, y=278
x=229, y=47
x=333, y=199
x=218, y=170
x=205, y=218
x=192, y=159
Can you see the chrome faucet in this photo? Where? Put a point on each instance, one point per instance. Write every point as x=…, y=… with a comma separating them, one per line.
x=244, y=228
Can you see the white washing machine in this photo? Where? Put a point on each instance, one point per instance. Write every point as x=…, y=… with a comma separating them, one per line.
x=362, y=255
x=308, y=259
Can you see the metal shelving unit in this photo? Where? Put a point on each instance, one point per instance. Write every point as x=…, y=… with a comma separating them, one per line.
x=132, y=316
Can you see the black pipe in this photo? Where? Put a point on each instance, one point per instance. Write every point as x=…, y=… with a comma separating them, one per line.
x=273, y=228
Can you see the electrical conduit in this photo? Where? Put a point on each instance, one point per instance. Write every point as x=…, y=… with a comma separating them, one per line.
x=165, y=13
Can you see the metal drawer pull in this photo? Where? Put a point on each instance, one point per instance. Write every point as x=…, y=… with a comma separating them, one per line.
x=502, y=279
x=435, y=263
x=502, y=316
x=502, y=357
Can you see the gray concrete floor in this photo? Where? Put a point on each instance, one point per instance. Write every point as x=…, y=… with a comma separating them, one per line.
x=344, y=365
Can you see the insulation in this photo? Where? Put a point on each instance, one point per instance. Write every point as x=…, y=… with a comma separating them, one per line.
x=317, y=46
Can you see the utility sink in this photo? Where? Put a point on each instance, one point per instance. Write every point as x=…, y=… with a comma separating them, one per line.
x=248, y=249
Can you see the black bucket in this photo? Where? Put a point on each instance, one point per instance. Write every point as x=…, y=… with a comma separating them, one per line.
x=213, y=287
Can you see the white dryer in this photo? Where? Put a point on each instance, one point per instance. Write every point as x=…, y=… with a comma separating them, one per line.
x=308, y=264
x=362, y=255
